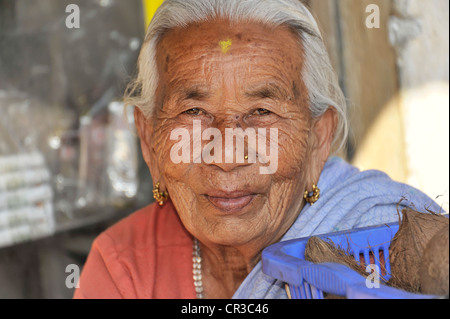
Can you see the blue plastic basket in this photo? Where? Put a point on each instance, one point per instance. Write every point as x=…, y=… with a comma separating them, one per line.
x=306, y=280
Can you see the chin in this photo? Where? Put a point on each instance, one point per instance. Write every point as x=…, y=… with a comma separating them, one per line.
x=234, y=230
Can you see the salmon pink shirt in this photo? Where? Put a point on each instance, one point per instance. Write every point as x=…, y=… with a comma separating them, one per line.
x=147, y=255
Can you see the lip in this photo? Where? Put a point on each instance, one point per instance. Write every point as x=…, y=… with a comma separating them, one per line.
x=230, y=201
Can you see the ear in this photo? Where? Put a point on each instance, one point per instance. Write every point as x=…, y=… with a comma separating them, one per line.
x=323, y=130
x=144, y=129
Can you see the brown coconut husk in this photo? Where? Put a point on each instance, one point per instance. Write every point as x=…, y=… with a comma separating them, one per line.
x=408, y=245
x=434, y=268
x=318, y=250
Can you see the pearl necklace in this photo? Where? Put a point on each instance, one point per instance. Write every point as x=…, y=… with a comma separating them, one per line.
x=197, y=269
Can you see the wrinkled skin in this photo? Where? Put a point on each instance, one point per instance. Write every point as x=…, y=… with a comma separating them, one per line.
x=256, y=83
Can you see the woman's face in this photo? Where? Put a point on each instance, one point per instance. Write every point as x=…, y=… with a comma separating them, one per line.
x=248, y=77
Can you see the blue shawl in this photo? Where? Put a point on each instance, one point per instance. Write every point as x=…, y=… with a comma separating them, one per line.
x=348, y=199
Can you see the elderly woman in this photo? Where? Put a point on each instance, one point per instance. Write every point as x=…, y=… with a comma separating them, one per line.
x=215, y=76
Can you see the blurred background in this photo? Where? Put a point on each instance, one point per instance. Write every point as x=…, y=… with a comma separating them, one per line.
x=70, y=163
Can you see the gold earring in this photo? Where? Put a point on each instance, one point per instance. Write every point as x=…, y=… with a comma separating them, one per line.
x=312, y=197
x=160, y=197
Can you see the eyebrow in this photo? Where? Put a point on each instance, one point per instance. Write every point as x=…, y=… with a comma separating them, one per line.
x=268, y=91
x=193, y=93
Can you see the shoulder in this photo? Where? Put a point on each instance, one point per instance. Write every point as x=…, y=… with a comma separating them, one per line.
x=365, y=198
x=127, y=260
x=151, y=226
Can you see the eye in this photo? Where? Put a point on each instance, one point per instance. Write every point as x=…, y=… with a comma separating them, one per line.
x=261, y=112
x=194, y=112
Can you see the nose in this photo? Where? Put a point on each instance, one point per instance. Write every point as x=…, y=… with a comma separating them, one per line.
x=237, y=145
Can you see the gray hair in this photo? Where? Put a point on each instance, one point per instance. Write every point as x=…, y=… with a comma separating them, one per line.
x=317, y=73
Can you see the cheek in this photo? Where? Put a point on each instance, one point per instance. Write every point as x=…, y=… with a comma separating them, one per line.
x=177, y=168
x=292, y=150
x=161, y=143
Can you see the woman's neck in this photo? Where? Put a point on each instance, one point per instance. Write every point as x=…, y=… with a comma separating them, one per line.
x=224, y=269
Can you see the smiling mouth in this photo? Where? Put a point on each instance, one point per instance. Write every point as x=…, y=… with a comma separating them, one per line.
x=232, y=202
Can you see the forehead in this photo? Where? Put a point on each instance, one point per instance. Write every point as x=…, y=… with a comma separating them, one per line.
x=221, y=41
x=204, y=32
